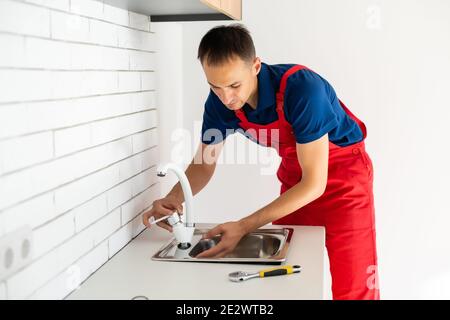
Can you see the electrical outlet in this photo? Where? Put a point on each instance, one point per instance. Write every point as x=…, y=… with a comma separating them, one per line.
x=16, y=251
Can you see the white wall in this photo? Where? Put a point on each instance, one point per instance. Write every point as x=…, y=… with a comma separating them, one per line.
x=169, y=41
x=389, y=62
x=78, y=143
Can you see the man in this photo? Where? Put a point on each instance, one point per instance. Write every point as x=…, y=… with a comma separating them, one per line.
x=326, y=175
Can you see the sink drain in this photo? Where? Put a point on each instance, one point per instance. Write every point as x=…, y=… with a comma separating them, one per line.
x=139, y=298
x=184, y=246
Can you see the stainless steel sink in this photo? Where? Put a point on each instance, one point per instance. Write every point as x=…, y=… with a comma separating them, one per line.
x=262, y=246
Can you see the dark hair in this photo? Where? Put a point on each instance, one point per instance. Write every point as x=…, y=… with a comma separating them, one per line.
x=221, y=43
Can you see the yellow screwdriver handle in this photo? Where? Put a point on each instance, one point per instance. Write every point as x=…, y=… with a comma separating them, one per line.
x=278, y=271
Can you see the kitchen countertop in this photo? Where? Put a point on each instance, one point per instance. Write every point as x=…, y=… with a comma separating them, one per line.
x=131, y=273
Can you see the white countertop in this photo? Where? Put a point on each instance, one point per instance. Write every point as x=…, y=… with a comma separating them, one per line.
x=131, y=273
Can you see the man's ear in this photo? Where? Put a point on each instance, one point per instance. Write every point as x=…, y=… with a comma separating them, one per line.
x=257, y=65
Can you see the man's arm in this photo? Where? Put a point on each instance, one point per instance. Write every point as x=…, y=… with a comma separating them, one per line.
x=200, y=170
x=313, y=159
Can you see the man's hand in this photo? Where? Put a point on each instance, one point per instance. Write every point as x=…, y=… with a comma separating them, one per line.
x=231, y=232
x=160, y=208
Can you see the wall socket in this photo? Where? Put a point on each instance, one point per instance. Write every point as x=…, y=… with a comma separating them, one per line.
x=16, y=251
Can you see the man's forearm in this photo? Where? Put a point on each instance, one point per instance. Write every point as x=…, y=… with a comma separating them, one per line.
x=298, y=196
x=198, y=176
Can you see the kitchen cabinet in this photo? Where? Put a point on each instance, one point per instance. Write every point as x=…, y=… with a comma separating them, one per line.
x=214, y=3
x=182, y=10
x=232, y=8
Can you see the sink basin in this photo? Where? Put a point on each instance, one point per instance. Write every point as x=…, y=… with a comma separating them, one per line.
x=262, y=246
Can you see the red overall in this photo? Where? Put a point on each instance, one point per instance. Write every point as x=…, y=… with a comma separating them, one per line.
x=346, y=209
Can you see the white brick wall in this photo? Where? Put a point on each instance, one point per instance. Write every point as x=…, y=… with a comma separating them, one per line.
x=78, y=136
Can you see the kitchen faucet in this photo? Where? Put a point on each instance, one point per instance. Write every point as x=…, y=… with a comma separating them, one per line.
x=183, y=231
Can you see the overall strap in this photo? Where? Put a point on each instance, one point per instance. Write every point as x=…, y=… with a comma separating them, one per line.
x=282, y=89
x=283, y=83
x=241, y=116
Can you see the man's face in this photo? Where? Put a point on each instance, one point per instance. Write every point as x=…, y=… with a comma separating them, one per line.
x=234, y=82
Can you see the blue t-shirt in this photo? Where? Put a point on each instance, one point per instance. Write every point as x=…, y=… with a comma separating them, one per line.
x=310, y=106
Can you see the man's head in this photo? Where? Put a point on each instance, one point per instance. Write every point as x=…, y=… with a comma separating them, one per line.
x=227, y=55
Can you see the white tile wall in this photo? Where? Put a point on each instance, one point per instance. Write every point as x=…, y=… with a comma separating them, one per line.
x=139, y=21
x=115, y=15
x=71, y=278
x=89, y=8
x=90, y=212
x=56, y=4
x=53, y=233
x=78, y=136
x=124, y=235
x=25, y=151
x=30, y=20
x=42, y=207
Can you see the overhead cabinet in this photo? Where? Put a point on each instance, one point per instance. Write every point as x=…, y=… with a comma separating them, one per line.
x=232, y=8
x=183, y=10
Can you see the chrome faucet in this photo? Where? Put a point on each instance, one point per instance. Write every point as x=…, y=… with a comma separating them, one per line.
x=183, y=231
